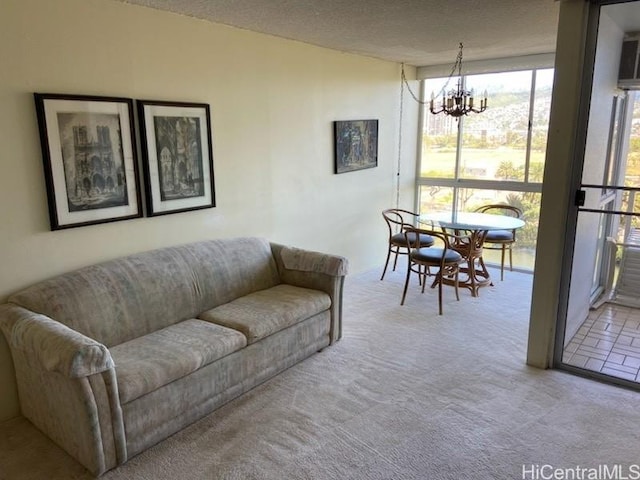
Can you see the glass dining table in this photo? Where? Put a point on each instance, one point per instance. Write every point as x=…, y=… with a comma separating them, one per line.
x=472, y=228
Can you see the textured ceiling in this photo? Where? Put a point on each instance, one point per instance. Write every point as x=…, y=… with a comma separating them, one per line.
x=416, y=32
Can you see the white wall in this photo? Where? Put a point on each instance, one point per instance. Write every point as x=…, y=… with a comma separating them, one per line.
x=272, y=102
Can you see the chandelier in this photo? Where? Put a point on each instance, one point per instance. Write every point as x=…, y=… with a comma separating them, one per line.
x=457, y=102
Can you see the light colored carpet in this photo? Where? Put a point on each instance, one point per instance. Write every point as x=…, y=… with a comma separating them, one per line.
x=406, y=394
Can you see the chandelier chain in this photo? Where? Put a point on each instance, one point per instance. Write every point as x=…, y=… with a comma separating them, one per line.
x=460, y=102
x=405, y=82
x=456, y=65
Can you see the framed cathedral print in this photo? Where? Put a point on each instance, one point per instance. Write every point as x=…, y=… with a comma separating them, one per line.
x=356, y=145
x=178, y=159
x=89, y=157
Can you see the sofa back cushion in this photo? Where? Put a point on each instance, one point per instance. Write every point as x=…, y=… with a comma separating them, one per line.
x=122, y=299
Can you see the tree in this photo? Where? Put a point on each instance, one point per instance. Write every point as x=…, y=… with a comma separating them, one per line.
x=507, y=171
x=536, y=172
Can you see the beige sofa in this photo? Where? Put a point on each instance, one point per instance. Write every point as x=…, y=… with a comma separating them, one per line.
x=113, y=358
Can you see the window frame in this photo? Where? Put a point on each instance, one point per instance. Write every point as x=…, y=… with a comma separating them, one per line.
x=458, y=182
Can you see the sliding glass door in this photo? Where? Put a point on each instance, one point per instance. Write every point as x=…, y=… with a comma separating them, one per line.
x=599, y=332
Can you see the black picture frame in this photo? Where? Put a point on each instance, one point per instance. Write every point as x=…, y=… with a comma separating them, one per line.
x=356, y=145
x=177, y=151
x=89, y=158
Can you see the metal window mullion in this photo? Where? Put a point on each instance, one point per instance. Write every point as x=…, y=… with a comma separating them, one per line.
x=532, y=99
x=624, y=134
x=481, y=184
x=622, y=124
x=612, y=187
x=421, y=123
x=456, y=172
x=612, y=212
x=624, y=138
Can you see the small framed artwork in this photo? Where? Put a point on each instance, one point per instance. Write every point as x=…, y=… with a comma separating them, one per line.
x=178, y=158
x=89, y=158
x=356, y=145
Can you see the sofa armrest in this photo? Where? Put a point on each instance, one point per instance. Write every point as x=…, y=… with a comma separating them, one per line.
x=308, y=261
x=320, y=271
x=67, y=387
x=55, y=346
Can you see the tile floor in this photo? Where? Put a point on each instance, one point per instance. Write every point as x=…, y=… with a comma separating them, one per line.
x=608, y=342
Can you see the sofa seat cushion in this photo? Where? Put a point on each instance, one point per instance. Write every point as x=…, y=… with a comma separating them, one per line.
x=147, y=363
x=265, y=312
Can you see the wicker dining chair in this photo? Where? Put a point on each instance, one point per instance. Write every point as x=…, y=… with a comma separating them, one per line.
x=502, y=240
x=440, y=261
x=397, y=220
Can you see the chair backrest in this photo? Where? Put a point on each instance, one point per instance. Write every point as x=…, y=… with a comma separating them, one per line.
x=502, y=209
x=397, y=219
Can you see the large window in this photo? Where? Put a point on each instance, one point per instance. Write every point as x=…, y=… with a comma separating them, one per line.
x=493, y=157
